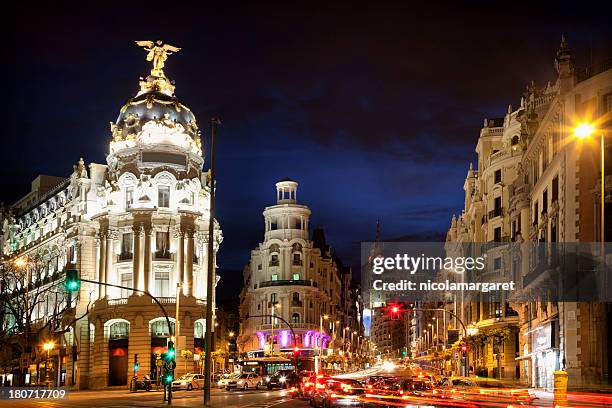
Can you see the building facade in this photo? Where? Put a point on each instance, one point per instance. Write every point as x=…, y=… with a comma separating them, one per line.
x=296, y=277
x=140, y=221
x=536, y=183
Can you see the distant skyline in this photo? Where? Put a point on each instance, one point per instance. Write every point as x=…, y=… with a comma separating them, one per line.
x=375, y=112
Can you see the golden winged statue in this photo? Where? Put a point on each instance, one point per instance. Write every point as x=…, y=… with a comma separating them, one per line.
x=158, y=53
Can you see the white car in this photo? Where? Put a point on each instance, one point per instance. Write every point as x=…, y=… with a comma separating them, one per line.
x=244, y=381
x=225, y=378
x=188, y=382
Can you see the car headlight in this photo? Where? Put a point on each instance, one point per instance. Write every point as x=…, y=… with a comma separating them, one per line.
x=267, y=379
x=282, y=379
x=240, y=382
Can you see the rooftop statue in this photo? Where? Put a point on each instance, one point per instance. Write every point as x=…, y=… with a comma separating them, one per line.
x=158, y=53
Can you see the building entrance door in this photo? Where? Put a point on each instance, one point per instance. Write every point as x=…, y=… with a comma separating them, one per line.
x=117, y=362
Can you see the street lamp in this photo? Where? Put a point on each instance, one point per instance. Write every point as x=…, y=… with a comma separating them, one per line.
x=583, y=131
x=23, y=263
x=586, y=131
x=48, y=346
x=232, y=334
x=320, y=340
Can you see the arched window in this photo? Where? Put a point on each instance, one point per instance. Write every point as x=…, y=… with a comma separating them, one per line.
x=198, y=330
x=159, y=328
x=119, y=330
x=514, y=142
x=295, y=318
x=296, y=296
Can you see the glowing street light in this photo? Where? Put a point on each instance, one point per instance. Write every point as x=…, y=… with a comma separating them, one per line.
x=586, y=130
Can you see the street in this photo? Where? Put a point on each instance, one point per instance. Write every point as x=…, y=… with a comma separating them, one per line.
x=122, y=398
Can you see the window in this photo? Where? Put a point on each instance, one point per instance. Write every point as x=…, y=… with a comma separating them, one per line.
x=259, y=267
x=273, y=298
x=119, y=330
x=126, y=280
x=295, y=318
x=198, y=330
x=297, y=259
x=274, y=277
x=497, y=263
x=126, y=246
x=163, y=196
x=162, y=284
x=162, y=244
x=497, y=234
x=498, y=176
x=274, y=260
x=296, y=276
x=545, y=202
x=535, y=214
x=555, y=189
x=129, y=197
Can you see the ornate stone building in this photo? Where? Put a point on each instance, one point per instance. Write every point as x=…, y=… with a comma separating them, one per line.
x=299, y=279
x=139, y=221
x=536, y=183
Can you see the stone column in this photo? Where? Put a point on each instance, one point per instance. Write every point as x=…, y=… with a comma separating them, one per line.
x=102, y=264
x=109, y=256
x=189, y=268
x=136, y=258
x=181, y=256
x=147, y=258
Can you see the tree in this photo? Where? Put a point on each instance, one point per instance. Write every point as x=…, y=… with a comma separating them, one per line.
x=34, y=305
x=186, y=354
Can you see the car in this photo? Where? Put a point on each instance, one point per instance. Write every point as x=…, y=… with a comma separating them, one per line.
x=225, y=378
x=282, y=379
x=188, y=382
x=244, y=381
x=338, y=393
x=309, y=385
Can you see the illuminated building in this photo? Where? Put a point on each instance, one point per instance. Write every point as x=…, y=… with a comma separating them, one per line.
x=296, y=277
x=138, y=221
x=536, y=183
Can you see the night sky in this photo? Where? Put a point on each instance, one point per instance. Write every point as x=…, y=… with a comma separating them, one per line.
x=374, y=111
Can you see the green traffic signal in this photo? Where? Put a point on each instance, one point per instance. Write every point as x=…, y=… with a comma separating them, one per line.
x=169, y=378
x=171, y=352
x=73, y=283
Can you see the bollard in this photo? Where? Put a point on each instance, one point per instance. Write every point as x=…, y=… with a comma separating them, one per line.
x=560, y=389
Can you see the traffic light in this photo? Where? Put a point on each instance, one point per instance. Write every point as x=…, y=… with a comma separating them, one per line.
x=464, y=348
x=395, y=312
x=73, y=283
x=296, y=350
x=170, y=355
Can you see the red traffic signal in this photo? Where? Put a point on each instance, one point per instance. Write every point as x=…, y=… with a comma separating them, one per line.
x=464, y=348
x=296, y=350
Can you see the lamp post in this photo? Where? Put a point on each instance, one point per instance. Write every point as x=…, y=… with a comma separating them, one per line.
x=586, y=131
x=275, y=305
x=320, y=341
x=48, y=346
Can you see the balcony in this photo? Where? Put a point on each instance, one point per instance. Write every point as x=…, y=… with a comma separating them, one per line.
x=297, y=303
x=125, y=256
x=297, y=262
x=162, y=255
x=267, y=284
x=274, y=263
x=498, y=212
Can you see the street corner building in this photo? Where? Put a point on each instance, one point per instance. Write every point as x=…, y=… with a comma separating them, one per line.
x=139, y=221
x=295, y=285
x=535, y=182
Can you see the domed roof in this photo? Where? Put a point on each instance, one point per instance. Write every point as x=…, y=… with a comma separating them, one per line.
x=153, y=105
